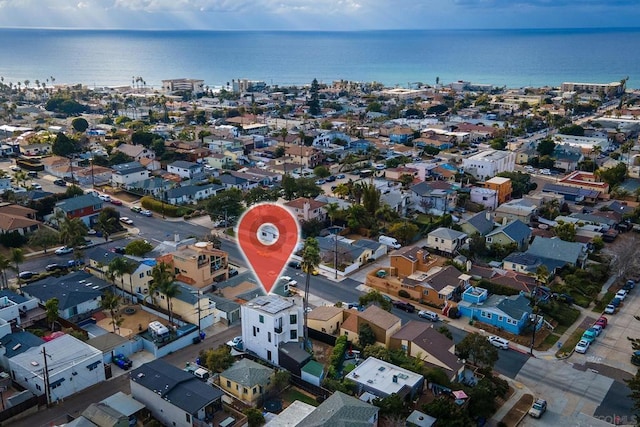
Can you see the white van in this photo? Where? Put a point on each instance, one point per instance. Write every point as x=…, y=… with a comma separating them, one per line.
x=389, y=241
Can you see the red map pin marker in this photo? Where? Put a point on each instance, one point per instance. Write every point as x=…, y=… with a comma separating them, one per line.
x=268, y=235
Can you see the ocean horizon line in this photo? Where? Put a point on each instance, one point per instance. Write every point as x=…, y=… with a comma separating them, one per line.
x=288, y=31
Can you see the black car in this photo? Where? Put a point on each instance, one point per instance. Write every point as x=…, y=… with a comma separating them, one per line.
x=119, y=250
x=295, y=264
x=409, y=308
x=26, y=275
x=55, y=267
x=330, y=178
x=60, y=182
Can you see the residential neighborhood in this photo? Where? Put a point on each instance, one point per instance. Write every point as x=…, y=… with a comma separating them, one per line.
x=451, y=238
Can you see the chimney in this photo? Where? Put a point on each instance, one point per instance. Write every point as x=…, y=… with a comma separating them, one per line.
x=487, y=215
x=505, y=220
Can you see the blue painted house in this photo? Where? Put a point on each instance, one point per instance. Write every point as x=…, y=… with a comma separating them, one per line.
x=512, y=313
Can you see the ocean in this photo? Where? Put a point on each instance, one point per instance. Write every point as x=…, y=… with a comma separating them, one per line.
x=511, y=58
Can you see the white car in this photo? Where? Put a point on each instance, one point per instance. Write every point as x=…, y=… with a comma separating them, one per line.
x=104, y=197
x=292, y=283
x=499, y=342
x=64, y=250
x=126, y=220
x=622, y=294
x=15, y=168
x=582, y=346
x=236, y=342
x=610, y=309
x=146, y=212
x=36, y=186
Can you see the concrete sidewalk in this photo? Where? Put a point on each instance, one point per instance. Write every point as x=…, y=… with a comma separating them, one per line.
x=519, y=391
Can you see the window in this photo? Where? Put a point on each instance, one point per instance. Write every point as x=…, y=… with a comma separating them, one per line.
x=254, y=331
x=269, y=336
x=269, y=355
x=142, y=276
x=489, y=239
x=500, y=319
x=293, y=319
x=38, y=387
x=261, y=318
x=228, y=383
x=255, y=390
x=188, y=417
x=245, y=390
x=293, y=334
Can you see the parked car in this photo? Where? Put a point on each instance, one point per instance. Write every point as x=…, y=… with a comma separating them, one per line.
x=340, y=176
x=320, y=182
x=597, y=329
x=64, y=250
x=499, y=342
x=589, y=336
x=119, y=250
x=116, y=202
x=621, y=294
x=75, y=263
x=582, y=346
x=233, y=272
x=538, y=408
x=122, y=361
x=429, y=315
x=602, y=321
x=55, y=267
x=26, y=275
x=295, y=264
x=616, y=302
x=126, y=220
x=36, y=186
x=635, y=358
x=409, y=308
x=629, y=285
x=136, y=209
x=565, y=298
x=146, y=212
x=60, y=182
x=104, y=197
x=15, y=168
x=236, y=342
x=331, y=178
x=610, y=309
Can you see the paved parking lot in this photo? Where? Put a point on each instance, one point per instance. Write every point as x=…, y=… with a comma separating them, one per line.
x=612, y=348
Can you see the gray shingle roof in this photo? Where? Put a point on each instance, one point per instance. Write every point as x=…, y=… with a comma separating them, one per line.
x=71, y=289
x=79, y=202
x=25, y=339
x=127, y=168
x=183, y=164
x=340, y=410
x=556, y=249
x=447, y=233
x=515, y=306
x=516, y=230
x=248, y=373
x=480, y=222
x=176, y=386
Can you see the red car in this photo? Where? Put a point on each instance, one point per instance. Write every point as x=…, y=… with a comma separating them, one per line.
x=602, y=321
x=116, y=202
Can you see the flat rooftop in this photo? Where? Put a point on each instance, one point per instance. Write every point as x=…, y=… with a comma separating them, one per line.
x=383, y=376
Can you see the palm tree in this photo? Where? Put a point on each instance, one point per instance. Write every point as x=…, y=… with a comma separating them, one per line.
x=72, y=232
x=105, y=224
x=332, y=210
x=51, y=307
x=21, y=177
x=310, y=260
x=17, y=258
x=111, y=302
x=5, y=263
x=163, y=282
x=118, y=267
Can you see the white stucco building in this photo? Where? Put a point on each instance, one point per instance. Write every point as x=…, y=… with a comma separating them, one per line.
x=487, y=164
x=72, y=366
x=269, y=321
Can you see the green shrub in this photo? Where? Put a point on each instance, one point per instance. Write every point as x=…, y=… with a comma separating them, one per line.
x=150, y=203
x=337, y=357
x=404, y=294
x=497, y=289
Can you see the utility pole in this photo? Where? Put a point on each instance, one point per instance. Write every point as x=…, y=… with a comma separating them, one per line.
x=335, y=254
x=46, y=376
x=534, y=318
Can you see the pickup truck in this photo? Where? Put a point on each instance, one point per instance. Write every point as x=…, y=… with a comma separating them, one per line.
x=409, y=308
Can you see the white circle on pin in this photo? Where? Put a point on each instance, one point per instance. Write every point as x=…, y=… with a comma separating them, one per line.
x=268, y=234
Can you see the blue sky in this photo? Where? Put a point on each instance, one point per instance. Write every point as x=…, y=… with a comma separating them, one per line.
x=318, y=14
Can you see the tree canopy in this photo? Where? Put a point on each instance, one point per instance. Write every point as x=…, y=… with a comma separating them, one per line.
x=63, y=145
x=477, y=350
x=226, y=204
x=546, y=147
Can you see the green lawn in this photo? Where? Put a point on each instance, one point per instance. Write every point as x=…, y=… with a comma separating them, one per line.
x=568, y=345
x=292, y=394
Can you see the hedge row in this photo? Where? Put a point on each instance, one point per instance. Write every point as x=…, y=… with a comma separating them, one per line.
x=337, y=357
x=158, y=206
